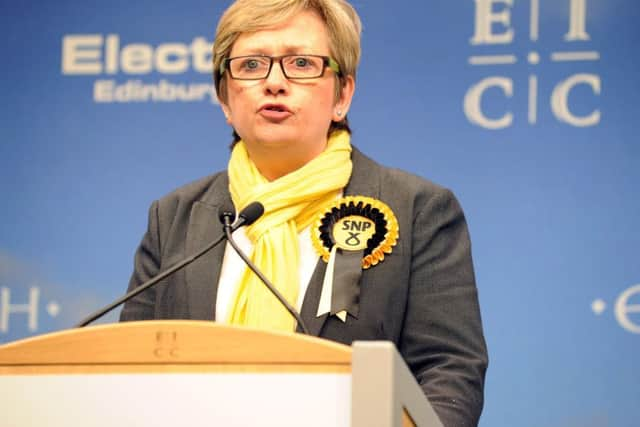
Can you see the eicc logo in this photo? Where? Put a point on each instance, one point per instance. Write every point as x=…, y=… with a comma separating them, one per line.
x=98, y=55
x=493, y=26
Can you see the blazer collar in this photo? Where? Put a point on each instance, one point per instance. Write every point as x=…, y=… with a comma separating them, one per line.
x=365, y=177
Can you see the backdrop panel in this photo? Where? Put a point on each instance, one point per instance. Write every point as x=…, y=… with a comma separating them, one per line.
x=527, y=109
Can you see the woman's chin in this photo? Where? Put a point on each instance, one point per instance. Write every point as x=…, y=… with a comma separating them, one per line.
x=273, y=141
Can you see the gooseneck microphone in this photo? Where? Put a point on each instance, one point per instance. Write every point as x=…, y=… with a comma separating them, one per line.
x=226, y=217
x=247, y=217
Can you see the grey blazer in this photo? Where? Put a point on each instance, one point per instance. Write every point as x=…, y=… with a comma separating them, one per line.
x=422, y=296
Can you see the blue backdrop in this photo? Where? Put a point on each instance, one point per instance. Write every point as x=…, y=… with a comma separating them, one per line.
x=527, y=109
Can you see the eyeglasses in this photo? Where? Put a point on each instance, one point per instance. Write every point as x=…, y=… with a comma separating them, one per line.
x=294, y=67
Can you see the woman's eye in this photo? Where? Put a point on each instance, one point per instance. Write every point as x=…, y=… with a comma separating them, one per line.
x=251, y=64
x=302, y=62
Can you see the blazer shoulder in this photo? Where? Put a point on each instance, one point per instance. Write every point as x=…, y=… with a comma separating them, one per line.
x=208, y=190
x=398, y=184
x=414, y=182
x=172, y=212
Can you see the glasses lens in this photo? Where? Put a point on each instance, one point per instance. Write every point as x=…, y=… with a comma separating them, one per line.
x=303, y=66
x=249, y=67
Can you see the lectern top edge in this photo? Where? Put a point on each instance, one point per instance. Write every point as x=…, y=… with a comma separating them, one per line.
x=174, y=341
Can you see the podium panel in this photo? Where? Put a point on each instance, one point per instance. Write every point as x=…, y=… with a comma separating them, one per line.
x=160, y=373
x=167, y=400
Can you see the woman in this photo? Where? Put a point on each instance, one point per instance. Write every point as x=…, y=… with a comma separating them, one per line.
x=365, y=252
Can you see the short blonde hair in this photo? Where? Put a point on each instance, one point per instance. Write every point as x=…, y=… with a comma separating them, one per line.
x=245, y=16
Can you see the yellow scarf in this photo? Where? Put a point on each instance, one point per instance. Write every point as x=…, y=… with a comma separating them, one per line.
x=291, y=203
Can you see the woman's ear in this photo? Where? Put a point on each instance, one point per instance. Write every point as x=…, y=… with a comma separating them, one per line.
x=344, y=101
x=226, y=111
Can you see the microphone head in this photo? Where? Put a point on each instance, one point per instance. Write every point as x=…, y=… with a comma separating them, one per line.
x=227, y=213
x=251, y=213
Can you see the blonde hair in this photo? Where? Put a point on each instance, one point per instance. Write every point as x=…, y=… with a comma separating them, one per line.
x=245, y=16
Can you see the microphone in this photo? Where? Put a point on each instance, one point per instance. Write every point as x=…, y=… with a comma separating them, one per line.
x=226, y=218
x=247, y=217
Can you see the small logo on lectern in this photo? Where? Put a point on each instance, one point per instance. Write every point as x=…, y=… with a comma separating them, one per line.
x=166, y=345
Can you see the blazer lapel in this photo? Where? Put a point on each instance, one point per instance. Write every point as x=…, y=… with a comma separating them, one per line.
x=364, y=181
x=311, y=299
x=203, y=274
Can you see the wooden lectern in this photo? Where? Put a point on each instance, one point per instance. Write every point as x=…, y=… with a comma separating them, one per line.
x=168, y=373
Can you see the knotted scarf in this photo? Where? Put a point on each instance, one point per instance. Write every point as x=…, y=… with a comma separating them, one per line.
x=291, y=204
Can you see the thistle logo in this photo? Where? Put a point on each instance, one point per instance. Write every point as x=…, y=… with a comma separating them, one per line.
x=98, y=55
x=493, y=27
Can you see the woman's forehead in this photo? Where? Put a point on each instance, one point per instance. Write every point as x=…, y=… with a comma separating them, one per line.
x=305, y=32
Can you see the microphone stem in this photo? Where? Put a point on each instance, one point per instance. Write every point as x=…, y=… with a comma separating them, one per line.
x=147, y=284
x=246, y=217
x=274, y=291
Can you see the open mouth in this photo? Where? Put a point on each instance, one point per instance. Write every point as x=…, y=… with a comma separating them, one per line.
x=277, y=108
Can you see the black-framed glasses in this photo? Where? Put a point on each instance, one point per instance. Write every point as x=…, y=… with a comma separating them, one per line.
x=295, y=67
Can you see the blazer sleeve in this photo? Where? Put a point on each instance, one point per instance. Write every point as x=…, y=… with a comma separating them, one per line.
x=146, y=265
x=442, y=339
